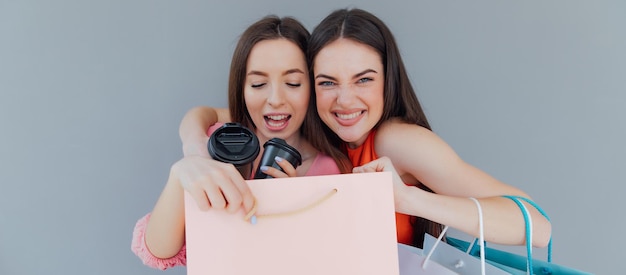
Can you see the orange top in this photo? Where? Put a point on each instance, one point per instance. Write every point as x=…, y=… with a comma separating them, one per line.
x=366, y=153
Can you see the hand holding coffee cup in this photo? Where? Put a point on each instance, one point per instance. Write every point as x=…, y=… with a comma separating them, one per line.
x=273, y=148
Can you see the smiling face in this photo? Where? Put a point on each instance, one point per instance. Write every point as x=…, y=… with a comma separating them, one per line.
x=276, y=89
x=349, y=87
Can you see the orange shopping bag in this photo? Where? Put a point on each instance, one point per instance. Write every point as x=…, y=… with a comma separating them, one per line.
x=340, y=224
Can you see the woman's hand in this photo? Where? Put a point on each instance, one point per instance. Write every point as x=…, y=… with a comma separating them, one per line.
x=289, y=170
x=213, y=184
x=384, y=164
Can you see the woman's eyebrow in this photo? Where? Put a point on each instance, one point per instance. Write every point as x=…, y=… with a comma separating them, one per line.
x=257, y=73
x=325, y=76
x=364, y=72
x=293, y=71
x=290, y=71
x=355, y=76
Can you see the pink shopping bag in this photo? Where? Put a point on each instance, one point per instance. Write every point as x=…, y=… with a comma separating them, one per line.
x=340, y=224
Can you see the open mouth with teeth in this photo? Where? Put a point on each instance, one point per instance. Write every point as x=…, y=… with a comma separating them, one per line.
x=349, y=116
x=276, y=121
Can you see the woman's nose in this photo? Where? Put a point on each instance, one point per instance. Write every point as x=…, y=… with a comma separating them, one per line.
x=345, y=95
x=276, y=96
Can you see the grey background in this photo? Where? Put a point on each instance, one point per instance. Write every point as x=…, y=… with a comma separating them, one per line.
x=91, y=94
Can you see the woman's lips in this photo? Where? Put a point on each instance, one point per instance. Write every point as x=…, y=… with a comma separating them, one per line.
x=277, y=122
x=348, y=119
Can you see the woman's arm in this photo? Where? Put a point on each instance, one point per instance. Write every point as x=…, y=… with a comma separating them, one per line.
x=194, y=125
x=420, y=155
x=212, y=184
x=165, y=231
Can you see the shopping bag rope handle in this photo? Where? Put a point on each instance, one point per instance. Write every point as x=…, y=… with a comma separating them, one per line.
x=529, y=232
x=252, y=216
x=526, y=216
x=536, y=206
x=432, y=250
x=481, y=236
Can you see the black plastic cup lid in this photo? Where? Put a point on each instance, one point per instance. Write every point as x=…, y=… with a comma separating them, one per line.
x=233, y=143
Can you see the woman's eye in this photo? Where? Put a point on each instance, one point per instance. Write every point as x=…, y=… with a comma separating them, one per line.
x=294, y=85
x=364, y=80
x=326, y=83
x=257, y=85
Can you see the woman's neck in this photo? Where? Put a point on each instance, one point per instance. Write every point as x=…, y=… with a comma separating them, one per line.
x=359, y=142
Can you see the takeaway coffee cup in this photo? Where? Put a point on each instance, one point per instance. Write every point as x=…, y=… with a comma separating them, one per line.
x=277, y=147
x=233, y=143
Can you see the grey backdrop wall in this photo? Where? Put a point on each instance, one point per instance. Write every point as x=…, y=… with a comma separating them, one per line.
x=91, y=93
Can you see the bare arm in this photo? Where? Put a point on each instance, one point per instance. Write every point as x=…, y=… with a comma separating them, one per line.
x=212, y=184
x=420, y=155
x=193, y=128
x=165, y=232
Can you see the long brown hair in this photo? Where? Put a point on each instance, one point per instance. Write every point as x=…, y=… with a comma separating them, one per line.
x=400, y=100
x=269, y=28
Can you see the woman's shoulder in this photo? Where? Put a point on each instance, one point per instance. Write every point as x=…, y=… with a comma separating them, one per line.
x=396, y=129
x=397, y=137
x=323, y=165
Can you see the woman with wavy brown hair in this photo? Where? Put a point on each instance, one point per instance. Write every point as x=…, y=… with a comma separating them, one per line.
x=367, y=103
x=269, y=91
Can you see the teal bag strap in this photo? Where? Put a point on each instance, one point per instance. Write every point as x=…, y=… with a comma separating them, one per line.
x=528, y=225
x=536, y=206
x=529, y=232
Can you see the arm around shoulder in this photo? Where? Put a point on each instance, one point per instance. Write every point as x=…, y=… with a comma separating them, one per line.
x=194, y=125
x=421, y=157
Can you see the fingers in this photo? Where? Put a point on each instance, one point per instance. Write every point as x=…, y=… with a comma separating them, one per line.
x=200, y=197
x=380, y=165
x=287, y=169
x=225, y=189
x=245, y=199
x=234, y=189
x=368, y=168
x=216, y=198
x=275, y=173
x=364, y=169
x=377, y=165
x=286, y=166
x=213, y=184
